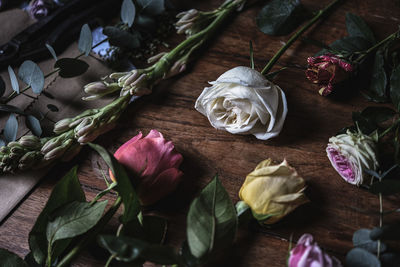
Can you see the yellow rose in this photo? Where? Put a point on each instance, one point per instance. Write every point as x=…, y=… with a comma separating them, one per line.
x=273, y=191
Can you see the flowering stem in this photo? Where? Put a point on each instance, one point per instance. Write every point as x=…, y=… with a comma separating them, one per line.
x=376, y=46
x=294, y=37
x=91, y=235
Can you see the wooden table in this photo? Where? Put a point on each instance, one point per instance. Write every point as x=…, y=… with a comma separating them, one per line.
x=336, y=210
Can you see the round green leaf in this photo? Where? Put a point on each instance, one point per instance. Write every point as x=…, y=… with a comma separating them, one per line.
x=32, y=75
x=378, y=114
x=356, y=26
x=13, y=79
x=362, y=239
x=358, y=257
x=52, y=51
x=128, y=12
x=85, y=40
x=122, y=38
x=11, y=129
x=71, y=67
x=34, y=125
x=152, y=7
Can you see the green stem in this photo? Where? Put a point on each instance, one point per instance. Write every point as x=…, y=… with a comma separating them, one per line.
x=91, y=235
x=294, y=37
x=103, y=193
x=380, y=222
x=389, y=129
x=14, y=94
x=110, y=259
x=376, y=46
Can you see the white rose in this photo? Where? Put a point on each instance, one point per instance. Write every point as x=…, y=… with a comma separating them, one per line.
x=351, y=154
x=243, y=101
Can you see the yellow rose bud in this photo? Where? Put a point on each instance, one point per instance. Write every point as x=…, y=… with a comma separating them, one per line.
x=273, y=191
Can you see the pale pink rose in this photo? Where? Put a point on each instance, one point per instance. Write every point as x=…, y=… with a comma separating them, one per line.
x=154, y=164
x=307, y=253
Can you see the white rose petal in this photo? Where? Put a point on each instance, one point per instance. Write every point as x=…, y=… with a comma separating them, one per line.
x=243, y=101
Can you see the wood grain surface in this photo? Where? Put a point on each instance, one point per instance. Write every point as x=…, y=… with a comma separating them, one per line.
x=336, y=209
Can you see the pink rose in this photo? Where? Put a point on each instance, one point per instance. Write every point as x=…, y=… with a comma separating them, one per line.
x=307, y=253
x=326, y=71
x=154, y=163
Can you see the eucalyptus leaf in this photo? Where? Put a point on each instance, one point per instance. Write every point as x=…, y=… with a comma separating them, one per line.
x=74, y=219
x=124, y=186
x=395, y=87
x=386, y=232
x=128, y=12
x=67, y=190
x=385, y=187
x=11, y=129
x=356, y=26
x=2, y=87
x=280, y=17
x=32, y=75
x=152, y=7
x=71, y=67
x=358, y=257
x=379, y=79
x=13, y=79
x=11, y=109
x=122, y=38
x=9, y=259
x=211, y=221
x=52, y=51
x=378, y=114
x=85, y=40
x=2, y=142
x=34, y=125
x=361, y=239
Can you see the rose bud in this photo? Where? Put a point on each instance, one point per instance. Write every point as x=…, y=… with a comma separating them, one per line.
x=326, y=71
x=307, y=253
x=351, y=154
x=154, y=163
x=39, y=8
x=273, y=191
x=243, y=101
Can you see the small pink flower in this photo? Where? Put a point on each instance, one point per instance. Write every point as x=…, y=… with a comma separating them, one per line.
x=326, y=71
x=154, y=163
x=307, y=253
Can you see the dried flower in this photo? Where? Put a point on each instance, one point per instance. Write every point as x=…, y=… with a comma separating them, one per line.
x=242, y=101
x=154, y=163
x=273, y=191
x=40, y=8
x=351, y=154
x=307, y=253
x=326, y=71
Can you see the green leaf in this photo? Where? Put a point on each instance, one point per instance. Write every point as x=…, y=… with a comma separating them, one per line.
x=358, y=257
x=52, y=51
x=122, y=38
x=386, y=232
x=11, y=129
x=9, y=259
x=385, y=187
x=85, y=40
x=11, y=109
x=67, y=190
x=128, y=12
x=211, y=221
x=361, y=239
x=152, y=7
x=32, y=75
x=379, y=79
x=350, y=44
x=280, y=17
x=2, y=87
x=366, y=125
x=34, y=125
x=129, y=249
x=356, y=26
x=124, y=186
x=74, y=219
x=395, y=87
x=13, y=79
x=71, y=67
x=378, y=114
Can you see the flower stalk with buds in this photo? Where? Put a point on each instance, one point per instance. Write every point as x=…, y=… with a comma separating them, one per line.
x=71, y=133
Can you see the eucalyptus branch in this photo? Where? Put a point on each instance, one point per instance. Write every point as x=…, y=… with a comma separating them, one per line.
x=294, y=37
x=32, y=152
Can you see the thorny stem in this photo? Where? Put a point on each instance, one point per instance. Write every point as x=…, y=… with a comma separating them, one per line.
x=14, y=94
x=294, y=37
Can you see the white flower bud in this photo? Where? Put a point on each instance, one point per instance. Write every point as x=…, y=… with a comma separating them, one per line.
x=30, y=141
x=156, y=57
x=95, y=88
x=62, y=126
x=50, y=145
